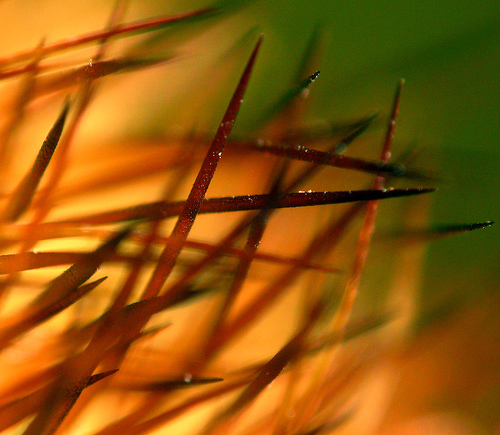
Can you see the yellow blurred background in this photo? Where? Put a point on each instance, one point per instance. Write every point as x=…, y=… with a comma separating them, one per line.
x=449, y=54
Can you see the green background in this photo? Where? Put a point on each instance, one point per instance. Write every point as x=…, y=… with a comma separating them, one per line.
x=449, y=54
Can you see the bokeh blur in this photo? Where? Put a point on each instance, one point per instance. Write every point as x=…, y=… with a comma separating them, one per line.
x=448, y=52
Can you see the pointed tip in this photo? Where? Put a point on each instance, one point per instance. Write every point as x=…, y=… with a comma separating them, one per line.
x=480, y=225
x=439, y=231
x=262, y=36
x=99, y=376
x=386, y=149
x=64, y=110
x=358, y=130
x=464, y=228
x=426, y=189
x=307, y=82
x=397, y=99
x=315, y=75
